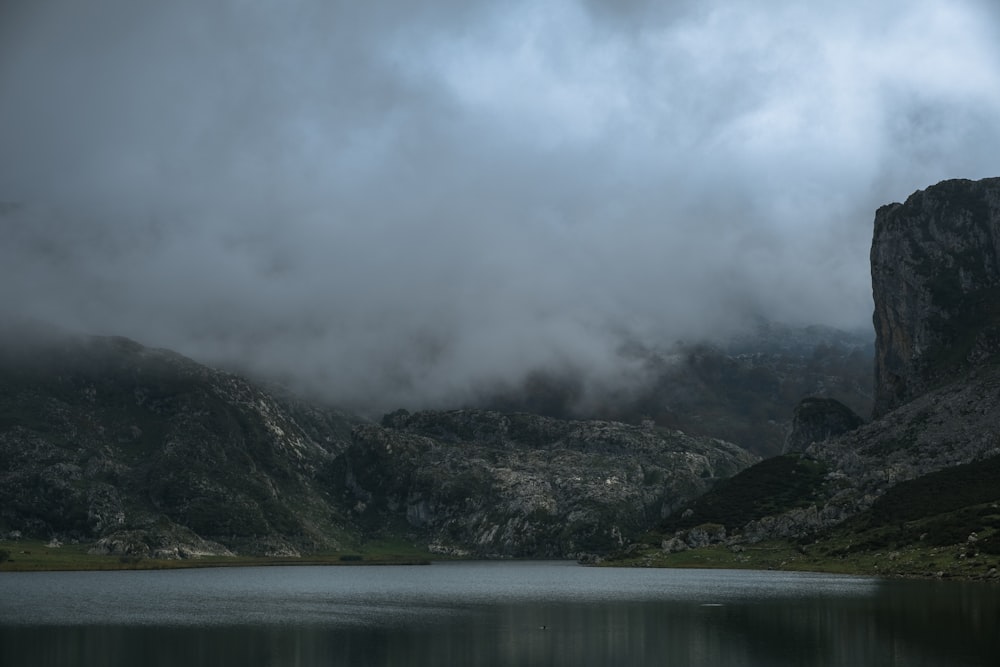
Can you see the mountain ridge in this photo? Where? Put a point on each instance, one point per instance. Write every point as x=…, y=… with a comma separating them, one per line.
x=151, y=454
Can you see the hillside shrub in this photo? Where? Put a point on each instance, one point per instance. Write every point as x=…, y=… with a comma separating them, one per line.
x=772, y=486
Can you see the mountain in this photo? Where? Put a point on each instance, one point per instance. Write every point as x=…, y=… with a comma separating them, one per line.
x=850, y=488
x=149, y=454
x=154, y=454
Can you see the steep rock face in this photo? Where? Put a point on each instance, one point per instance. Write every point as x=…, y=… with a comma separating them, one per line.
x=818, y=419
x=150, y=452
x=493, y=484
x=936, y=284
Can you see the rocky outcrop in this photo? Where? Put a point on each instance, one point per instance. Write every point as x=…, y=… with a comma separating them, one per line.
x=167, y=542
x=936, y=284
x=494, y=484
x=819, y=419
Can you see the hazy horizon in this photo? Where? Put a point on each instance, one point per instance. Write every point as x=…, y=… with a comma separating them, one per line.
x=401, y=204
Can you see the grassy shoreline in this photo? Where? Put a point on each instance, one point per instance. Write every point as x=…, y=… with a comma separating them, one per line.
x=911, y=562
x=38, y=556
x=914, y=562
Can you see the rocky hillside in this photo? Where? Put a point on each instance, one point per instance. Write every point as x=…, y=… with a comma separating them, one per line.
x=949, y=426
x=492, y=484
x=935, y=276
x=149, y=454
x=154, y=454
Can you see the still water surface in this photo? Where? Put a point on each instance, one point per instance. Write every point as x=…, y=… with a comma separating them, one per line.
x=491, y=613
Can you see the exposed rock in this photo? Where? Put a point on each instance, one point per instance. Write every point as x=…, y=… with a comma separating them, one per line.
x=674, y=544
x=276, y=546
x=495, y=484
x=946, y=427
x=705, y=534
x=166, y=542
x=936, y=283
x=794, y=523
x=818, y=419
x=447, y=550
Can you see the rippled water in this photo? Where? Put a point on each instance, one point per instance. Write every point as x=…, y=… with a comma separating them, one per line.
x=493, y=613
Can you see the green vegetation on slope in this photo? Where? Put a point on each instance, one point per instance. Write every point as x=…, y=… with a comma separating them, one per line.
x=950, y=489
x=915, y=561
x=938, y=509
x=944, y=524
x=772, y=486
x=35, y=555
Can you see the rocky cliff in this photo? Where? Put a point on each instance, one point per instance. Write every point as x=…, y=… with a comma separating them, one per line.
x=935, y=263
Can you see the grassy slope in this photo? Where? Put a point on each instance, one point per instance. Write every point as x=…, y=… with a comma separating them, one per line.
x=919, y=528
x=772, y=486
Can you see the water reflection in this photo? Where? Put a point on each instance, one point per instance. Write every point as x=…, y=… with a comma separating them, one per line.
x=513, y=614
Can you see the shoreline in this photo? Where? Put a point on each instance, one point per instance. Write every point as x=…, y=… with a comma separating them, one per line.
x=37, y=556
x=30, y=556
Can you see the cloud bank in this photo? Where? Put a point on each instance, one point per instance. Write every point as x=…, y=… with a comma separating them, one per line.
x=392, y=204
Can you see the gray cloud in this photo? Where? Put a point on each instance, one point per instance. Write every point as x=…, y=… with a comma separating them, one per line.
x=394, y=203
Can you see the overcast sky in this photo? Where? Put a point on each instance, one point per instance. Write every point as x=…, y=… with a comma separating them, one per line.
x=402, y=201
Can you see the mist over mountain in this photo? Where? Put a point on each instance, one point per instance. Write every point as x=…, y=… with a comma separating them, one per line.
x=391, y=205
x=744, y=390
x=142, y=452
x=145, y=453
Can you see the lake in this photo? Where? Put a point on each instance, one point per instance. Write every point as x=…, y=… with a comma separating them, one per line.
x=491, y=613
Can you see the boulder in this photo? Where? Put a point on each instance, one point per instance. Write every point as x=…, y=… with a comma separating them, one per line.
x=817, y=420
